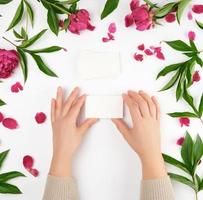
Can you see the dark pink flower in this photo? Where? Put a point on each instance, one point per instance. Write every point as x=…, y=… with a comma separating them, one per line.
x=80, y=21
x=141, y=47
x=9, y=60
x=138, y=57
x=40, y=117
x=198, y=8
x=189, y=15
x=148, y=52
x=10, y=123
x=180, y=141
x=191, y=35
x=184, y=121
x=141, y=16
x=28, y=162
x=112, y=28
x=16, y=87
x=1, y=117
x=170, y=17
x=196, y=77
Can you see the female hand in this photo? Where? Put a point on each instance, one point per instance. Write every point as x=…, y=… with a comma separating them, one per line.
x=144, y=136
x=67, y=134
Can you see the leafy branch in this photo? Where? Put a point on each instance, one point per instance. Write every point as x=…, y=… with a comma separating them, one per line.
x=5, y=187
x=191, y=153
x=184, y=70
x=22, y=50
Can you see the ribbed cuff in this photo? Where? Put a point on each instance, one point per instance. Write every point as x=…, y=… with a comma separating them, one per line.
x=157, y=189
x=58, y=188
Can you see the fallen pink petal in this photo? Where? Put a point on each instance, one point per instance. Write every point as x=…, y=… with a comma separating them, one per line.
x=180, y=141
x=148, y=52
x=40, y=117
x=112, y=28
x=189, y=16
x=160, y=55
x=34, y=172
x=141, y=47
x=191, y=35
x=104, y=39
x=28, y=162
x=198, y=8
x=184, y=121
x=16, y=87
x=138, y=57
x=10, y=123
x=1, y=117
x=196, y=77
x=170, y=17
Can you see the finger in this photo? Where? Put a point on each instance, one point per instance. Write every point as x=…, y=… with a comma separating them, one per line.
x=142, y=104
x=133, y=108
x=53, y=104
x=70, y=100
x=87, y=124
x=150, y=103
x=122, y=127
x=75, y=109
x=59, y=101
x=156, y=103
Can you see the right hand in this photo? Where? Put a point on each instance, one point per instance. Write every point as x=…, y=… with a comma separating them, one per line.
x=144, y=136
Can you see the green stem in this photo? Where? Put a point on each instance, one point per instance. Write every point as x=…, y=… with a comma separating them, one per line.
x=196, y=196
x=9, y=41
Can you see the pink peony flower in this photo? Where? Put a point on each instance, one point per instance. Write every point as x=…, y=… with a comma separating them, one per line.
x=184, y=121
x=9, y=60
x=196, y=77
x=170, y=17
x=138, y=57
x=10, y=123
x=112, y=28
x=16, y=87
x=80, y=21
x=189, y=16
x=141, y=47
x=198, y=8
x=40, y=117
x=1, y=117
x=191, y=35
x=180, y=141
x=140, y=15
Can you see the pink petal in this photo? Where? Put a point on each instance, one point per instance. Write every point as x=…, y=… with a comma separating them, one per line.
x=138, y=57
x=196, y=77
x=198, y=8
x=40, y=117
x=129, y=20
x=160, y=55
x=148, y=52
x=191, y=35
x=28, y=162
x=111, y=37
x=184, y=121
x=1, y=117
x=10, y=123
x=112, y=28
x=180, y=141
x=141, y=47
x=134, y=4
x=104, y=39
x=170, y=17
x=61, y=23
x=189, y=16
x=16, y=87
x=34, y=172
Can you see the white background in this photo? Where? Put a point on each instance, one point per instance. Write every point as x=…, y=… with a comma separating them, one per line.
x=105, y=167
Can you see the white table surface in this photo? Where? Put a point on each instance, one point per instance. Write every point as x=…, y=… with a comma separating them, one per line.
x=105, y=167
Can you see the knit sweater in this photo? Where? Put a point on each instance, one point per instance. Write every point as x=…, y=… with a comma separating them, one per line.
x=66, y=189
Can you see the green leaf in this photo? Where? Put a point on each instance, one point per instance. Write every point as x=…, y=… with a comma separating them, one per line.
x=33, y=39
x=47, y=50
x=73, y=8
x=174, y=162
x=183, y=114
x=3, y=156
x=180, y=86
x=197, y=151
x=152, y=5
x=42, y=66
x=171, y=82
x=18, y=16
x=169, y=69
x=109, y=7
x=23, y=63
x=187, y=152
x=53, y=20
x=30, y=12
x=183, y=180
x=6, y=188
x=181, y=7
x=163, y=11
x=201, y=106
x=189, y=72
x=179, y=45
x=2, y=103
x=17, y=35
x=199, y=60
x=10, y=175
x=200, y=24
x=193, y=46
x=24, y=34
x=5, y=1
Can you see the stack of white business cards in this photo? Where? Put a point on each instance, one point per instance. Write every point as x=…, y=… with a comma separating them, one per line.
x=104, y=107
x=94, y=65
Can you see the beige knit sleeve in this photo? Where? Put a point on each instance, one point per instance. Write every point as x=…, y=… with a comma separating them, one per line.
x=58, y=188
x=157, y=189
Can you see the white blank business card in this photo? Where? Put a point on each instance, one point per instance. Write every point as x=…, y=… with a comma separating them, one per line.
x=104, y=107
x=93, y=64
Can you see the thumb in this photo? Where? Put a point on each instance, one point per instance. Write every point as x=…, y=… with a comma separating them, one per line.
x=122, y=127
x=87, y=124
